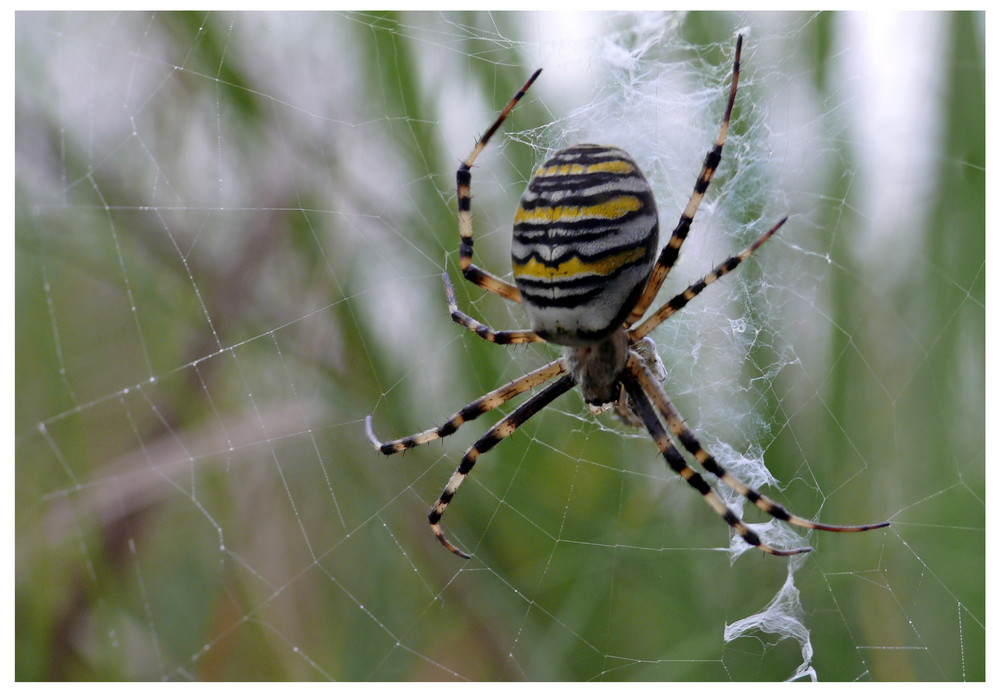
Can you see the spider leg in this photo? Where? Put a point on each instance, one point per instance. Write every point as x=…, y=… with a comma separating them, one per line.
x=483, y=404
x=692, y=445
x=517, y=336
x=685, y=296
x=463, y=177
x=485, y=443
x=675, y=461
x=695, y=480
x=668, y=256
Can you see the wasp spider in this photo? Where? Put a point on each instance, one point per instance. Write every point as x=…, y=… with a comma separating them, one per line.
x=585, y=239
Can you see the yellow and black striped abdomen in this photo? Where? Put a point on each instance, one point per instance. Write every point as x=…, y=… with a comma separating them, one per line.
x=585, y=236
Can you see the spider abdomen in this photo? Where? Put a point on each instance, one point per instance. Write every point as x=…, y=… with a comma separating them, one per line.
x=585, y=236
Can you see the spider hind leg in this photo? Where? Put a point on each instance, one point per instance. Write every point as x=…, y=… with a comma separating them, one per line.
x=463, y=180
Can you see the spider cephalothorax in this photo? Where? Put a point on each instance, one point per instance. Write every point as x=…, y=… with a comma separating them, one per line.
x=585, y=270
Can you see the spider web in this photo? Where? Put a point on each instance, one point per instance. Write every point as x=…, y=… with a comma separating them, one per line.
x=230, y=232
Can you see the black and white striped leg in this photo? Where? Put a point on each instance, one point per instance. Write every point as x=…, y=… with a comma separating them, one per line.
x=640, y=401
x=688, y=440
x=485, y=443
x=463, y=178
x=668, y=256
x=684, y=297
x=516, y=336
x=485, y=403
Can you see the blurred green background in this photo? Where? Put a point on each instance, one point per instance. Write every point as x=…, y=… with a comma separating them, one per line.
x=230, y=230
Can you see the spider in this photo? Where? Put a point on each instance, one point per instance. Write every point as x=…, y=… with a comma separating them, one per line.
x=585, y=236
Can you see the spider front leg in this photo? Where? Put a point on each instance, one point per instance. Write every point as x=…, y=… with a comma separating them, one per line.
x=637, y=395
x=463, y=177
x=485, y=443
x=688, y=440
x=482, y=405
